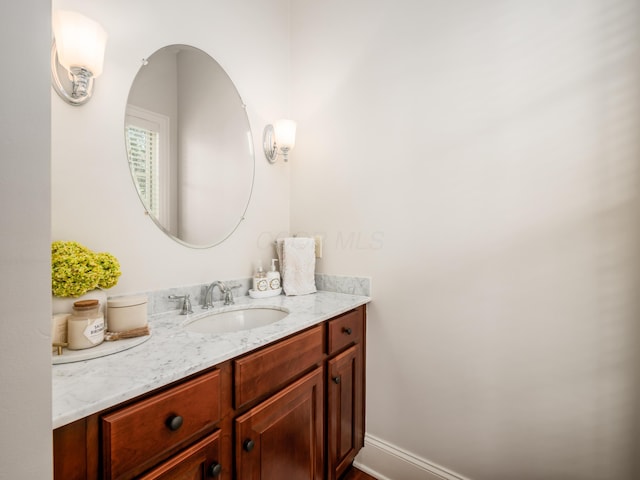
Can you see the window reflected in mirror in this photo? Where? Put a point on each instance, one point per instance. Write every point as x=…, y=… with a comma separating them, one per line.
x=147, y=139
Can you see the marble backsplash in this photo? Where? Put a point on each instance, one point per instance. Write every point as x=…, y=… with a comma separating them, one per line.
x=344, y=284
x=159, y=301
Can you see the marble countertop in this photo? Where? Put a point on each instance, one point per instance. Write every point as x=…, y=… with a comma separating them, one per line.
x=172, y=353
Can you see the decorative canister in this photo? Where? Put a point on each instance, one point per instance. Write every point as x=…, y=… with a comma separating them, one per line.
x=127, y=313
x=85, y=326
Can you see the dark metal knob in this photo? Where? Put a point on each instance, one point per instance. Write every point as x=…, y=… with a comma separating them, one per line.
x=336, y=380
x=347, y=330
x=174, y=422
x=214, y=470
x=248, y=445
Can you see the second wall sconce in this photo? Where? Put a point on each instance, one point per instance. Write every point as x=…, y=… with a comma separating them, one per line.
x=78, y=47
x=280, y=137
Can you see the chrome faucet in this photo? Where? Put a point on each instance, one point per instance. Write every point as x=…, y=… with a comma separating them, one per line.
x=226, y=292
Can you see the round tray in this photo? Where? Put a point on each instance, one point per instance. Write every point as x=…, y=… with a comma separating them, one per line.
x=105, y=348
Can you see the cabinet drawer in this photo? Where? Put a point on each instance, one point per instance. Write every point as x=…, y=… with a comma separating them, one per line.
x=199, y=461
x=345, y=330
x=138, y=436
x=264, y=371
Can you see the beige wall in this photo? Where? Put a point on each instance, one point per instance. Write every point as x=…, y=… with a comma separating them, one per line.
x=480, y=161
x=25, y=363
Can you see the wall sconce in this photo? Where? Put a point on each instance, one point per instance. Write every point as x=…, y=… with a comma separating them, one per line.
x=280, y=137
x=78, y=46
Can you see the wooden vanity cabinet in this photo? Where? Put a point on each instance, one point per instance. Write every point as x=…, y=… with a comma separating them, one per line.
x=291, y=410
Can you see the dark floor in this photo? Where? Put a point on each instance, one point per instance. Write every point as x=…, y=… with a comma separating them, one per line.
x=355, y=474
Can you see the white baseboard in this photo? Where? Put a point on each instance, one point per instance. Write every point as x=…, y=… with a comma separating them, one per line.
x=385, y=461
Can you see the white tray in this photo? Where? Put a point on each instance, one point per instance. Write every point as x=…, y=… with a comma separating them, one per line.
x=265, y=294
x=105, y=348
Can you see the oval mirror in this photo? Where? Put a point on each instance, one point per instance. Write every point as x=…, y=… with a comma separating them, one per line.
x=189, y=146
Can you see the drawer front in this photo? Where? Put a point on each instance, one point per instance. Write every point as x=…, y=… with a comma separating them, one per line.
x=198, y=462
x=264, y=371
x=136, y=437
x=345, y=330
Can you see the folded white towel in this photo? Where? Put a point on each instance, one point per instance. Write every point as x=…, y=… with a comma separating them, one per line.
x=297, y=265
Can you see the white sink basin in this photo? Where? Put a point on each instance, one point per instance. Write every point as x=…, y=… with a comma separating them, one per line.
x=235, y=320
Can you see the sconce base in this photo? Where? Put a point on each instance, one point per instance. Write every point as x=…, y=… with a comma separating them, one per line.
x=269, y=144
x=79, y=81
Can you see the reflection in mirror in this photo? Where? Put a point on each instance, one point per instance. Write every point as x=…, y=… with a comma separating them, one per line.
x=189, y=146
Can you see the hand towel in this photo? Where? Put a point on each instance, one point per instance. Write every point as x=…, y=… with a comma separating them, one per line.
x=297, y=265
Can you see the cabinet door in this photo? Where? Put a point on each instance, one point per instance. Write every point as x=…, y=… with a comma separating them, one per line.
x=345, y=410
x=282, y=438
x=198, y=462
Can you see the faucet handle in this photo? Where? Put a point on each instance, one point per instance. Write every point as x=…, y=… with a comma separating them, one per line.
x=186, y=305
x=228, y=293
x=233, y=286
x=228, y=297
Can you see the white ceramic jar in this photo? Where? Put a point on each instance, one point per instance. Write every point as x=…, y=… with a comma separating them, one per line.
x=127, y=313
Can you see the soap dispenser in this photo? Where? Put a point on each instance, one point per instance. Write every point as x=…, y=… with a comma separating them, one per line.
x=260, y=282
x=273, y=276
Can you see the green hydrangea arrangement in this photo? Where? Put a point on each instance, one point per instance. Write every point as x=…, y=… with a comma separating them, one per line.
x=75, y=269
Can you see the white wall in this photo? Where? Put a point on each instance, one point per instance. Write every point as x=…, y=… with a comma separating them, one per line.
x=480, y=161
x=477, y=159
x=94, y=200
x=25, y=362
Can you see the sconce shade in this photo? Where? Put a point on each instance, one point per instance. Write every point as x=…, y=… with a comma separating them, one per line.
x=80, y=41
x=279, y=138
x=285, y=131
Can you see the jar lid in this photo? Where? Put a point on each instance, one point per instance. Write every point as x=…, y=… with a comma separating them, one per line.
x=85, y=304
x=126, y=301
